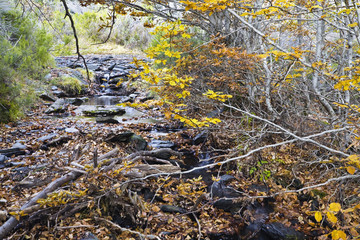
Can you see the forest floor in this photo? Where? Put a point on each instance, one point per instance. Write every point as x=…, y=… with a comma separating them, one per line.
x=72, y=175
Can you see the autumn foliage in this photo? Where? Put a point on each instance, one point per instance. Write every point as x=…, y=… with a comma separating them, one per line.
x=276, y=84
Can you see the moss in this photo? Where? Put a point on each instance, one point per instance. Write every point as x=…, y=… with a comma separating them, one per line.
x=84, y=74
x=70, y=85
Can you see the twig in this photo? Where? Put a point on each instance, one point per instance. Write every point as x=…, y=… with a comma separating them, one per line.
x=77, y=226
x=113, y=17
x=95, y=157
x=75, y=170
x=114, y=225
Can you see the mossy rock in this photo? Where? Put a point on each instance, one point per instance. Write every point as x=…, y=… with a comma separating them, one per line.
x=104, y=111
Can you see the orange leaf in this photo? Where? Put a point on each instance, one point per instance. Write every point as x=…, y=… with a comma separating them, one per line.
x=155, y=209
x=351, y=170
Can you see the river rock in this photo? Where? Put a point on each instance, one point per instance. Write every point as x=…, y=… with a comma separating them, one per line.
x=71, y=130
x=93, y=111
x=76, y=101
x=119, y=137
x=220, y=189
x=172, y=209
x=125, y=99
x=47, y=137
x=47, y=97
x=108, y=119
x=59, y=94
x=161, y=144
x=19, y=144
x=278, y=230
x=3, y=158
x=12, y=151
x=89, y=236
x=48, y=77
x=136, y=141
x=112, y=67
x=93, y=67
x=59, y=106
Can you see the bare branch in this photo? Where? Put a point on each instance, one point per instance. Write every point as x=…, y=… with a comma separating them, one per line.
x=67, y=14
x=305, y=139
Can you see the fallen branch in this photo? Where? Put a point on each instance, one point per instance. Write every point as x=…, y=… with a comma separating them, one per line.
x=236, y=158
x=12, y=222
x=160, y=154
x=32, y=204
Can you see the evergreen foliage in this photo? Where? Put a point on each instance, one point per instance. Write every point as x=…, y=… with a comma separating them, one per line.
x=24, y=55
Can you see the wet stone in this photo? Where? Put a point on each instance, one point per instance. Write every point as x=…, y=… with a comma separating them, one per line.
x=47, y=97
x=71, y=130
x=106, y=120
x=279, y=231
x=47, y=137
x=161, y=144
x=19, y=145
x=59, y=106
x=89, y=236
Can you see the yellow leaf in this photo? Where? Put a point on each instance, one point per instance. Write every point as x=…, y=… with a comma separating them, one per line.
x=351, y=170
x=335, y=207
x=353, y=24
x=338, y=234
x=318, y=216
x=353, y=157
x=331, y=217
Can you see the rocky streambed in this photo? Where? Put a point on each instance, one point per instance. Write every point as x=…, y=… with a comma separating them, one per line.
x=132, y=174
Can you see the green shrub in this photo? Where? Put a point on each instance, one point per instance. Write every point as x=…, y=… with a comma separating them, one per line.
x=24, y=56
